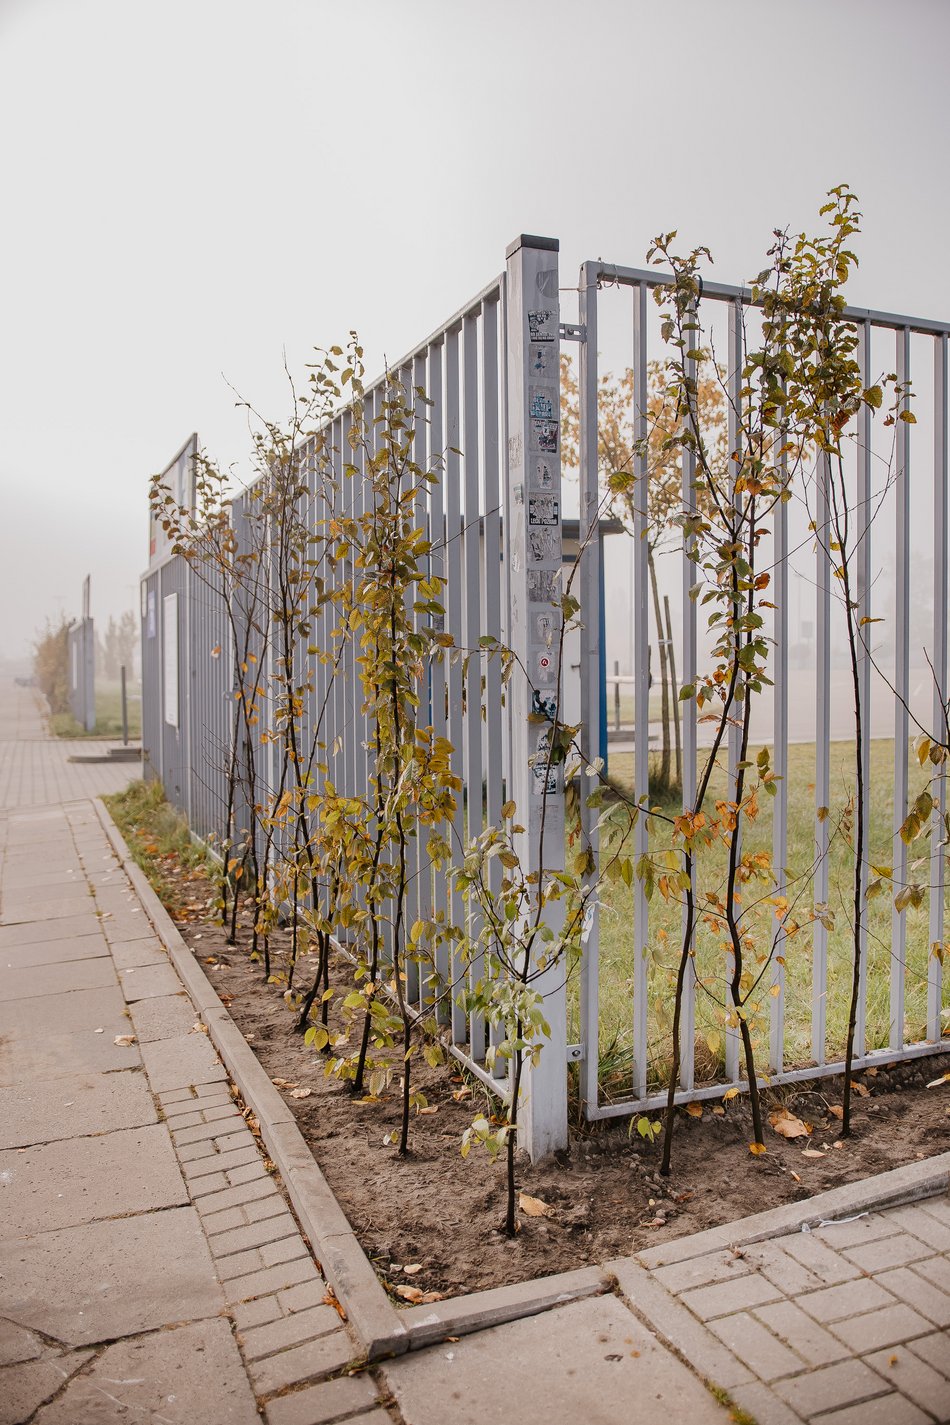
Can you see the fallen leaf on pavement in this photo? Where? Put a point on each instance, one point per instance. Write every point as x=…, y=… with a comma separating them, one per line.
x=124, y=1040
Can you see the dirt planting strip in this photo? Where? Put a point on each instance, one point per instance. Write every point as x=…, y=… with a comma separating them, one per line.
x=382, y=1330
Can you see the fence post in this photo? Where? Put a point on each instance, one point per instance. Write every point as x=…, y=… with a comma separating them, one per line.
x=533, y=549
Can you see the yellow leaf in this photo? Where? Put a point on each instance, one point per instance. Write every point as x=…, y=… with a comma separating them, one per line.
x=786, y=1125
x=730, y=1093
x=695, y=1110
x=758, y=1149
x=836, y=1111
x=533, y=1206
x=409, y=1293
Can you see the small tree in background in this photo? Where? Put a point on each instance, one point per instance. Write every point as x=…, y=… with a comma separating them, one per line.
x=616, y=445
x=51, y=664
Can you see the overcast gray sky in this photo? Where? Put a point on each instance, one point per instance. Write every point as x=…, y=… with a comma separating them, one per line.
x=194, y=186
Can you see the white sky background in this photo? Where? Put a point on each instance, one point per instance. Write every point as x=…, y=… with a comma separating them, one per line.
x=191, y=188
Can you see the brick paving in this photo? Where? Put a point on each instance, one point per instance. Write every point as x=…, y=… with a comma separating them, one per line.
x=847, y=1322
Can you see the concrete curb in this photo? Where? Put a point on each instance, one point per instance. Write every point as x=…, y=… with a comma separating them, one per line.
x=909, y=1183
x=382, y=1329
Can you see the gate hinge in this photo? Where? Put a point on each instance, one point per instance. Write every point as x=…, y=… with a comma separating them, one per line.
x=575, y=1053
x=570, y=331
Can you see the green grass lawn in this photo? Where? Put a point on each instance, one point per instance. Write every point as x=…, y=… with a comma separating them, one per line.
x=665, y=922
x=108, y=714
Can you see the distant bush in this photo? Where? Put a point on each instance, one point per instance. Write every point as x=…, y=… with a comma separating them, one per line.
x=51, y=664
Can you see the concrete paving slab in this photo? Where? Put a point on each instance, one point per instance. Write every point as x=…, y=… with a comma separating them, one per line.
x=179, y=1063
x=24, y=878
x=63, y=1013
x=85, y=1179
x=162, y=1017
x=193, y=1373
x=129, y=954
x=53, y=952
x=26, y=934
x=57, y=978
x=74, y=1106
x=18, y=1344
x=24, y=1388
x=29, y=898
x=25, y=1058
x=591, y=1361
x=147, y=981
x=85, y=1284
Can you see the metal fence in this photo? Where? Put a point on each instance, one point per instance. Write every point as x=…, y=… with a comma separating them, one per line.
x=496, y=522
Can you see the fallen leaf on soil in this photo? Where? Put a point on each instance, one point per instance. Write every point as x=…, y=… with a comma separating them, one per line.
x=124, y=1040
x=458, y=1095
x=428, y=1111
x=794, y=1175
x=719, y=1111
x=411, y=1268
x=655, y=1222
x=730, y=1093
x=757, y=1148
x=812, y=1153
x=836, y=1110
x=428, y=1296
x=301, y=1093
x=409, y=1293
x=786, y=1125
x=533, y=1206
x=837, y=1143
x=98, y=1031
x=695, y=1110
x=859, y=1088
x=943, y=1079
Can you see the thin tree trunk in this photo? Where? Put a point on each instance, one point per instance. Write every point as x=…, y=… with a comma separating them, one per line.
x=675, y=692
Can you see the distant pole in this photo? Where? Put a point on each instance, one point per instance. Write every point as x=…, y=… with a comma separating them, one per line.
x=125, y=710
x=616, y=694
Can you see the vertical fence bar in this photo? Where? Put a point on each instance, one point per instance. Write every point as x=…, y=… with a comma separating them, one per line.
x=688, y=577
x=937, y=872
x=864, y=667
x=491, y=579
x=819, y=983
x=901, y=686
x=420, y=453
x=780, y=763
x=591, y=641
x=533, y=547
x=641, y=691
x=453, y=538
x=437, y=458
x=735, y=732
x=471, y=615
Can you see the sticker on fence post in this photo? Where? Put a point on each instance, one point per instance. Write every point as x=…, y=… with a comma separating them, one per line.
x=533, y=539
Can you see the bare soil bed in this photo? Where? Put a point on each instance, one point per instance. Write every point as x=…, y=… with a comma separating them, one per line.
x=435, y=1211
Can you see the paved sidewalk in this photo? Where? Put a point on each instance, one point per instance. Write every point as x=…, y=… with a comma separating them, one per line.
x=151, y=1271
